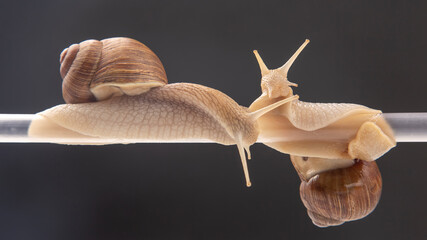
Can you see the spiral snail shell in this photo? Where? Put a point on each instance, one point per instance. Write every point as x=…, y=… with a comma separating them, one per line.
x=97, y=70
x=342, y=195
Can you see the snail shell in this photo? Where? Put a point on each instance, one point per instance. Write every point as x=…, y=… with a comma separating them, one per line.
x=342, y=195
x=97, y=70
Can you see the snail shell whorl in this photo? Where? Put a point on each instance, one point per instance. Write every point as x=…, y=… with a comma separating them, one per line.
x=78, y=67
x=342, y=195
x=96, y=70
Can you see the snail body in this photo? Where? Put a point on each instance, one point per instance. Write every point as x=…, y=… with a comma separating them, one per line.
x=323, y=130
x=172, y=112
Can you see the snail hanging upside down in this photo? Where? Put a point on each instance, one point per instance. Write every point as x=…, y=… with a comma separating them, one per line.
x=117, y=89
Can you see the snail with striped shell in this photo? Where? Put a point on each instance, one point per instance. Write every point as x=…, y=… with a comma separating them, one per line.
x=104, y=82
x=117, y=89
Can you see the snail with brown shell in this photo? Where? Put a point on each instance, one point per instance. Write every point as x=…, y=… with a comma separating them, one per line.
x=340, y=180
x=117, y=89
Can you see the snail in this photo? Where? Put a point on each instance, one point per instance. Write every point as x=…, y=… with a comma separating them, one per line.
x=345, y=194
x=117, y=88
x=340, y=181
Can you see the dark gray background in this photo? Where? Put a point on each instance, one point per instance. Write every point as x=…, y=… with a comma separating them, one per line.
x=367, y=52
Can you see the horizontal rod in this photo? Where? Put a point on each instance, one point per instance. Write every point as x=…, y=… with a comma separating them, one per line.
x=407, y=127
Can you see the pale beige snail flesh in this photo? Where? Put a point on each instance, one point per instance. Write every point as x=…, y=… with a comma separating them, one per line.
x=361, y=132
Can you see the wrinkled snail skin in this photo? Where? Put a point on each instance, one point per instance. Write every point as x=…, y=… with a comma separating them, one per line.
x=172, y=112
x=117, y=89
x=341, y=195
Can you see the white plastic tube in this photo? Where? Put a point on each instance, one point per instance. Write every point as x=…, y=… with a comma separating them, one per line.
x=14, y=127
x=407, y=127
